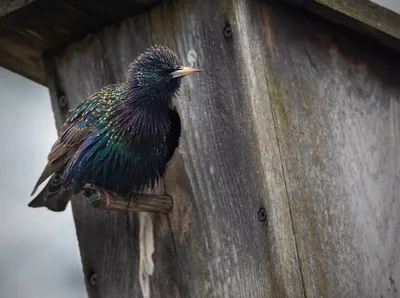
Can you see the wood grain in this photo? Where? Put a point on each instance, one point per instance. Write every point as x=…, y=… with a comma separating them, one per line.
x=110, y=243
x=230, y=164
x=336, y=105
x=30, y=28
x=8, y=6
x=289, y=115
x=137, y=203
x=35, y=27
x=364, y=16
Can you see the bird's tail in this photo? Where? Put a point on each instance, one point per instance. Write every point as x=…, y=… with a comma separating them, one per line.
x=52, y=196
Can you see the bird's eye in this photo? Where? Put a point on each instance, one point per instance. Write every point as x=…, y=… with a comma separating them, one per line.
x=162, y=72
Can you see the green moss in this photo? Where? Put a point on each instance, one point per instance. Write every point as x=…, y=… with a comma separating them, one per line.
x=227, y=6
x=303, y=215
x=278, y=93
x=199, y=268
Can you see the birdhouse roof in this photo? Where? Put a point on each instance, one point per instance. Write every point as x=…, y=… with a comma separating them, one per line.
x=30, y=28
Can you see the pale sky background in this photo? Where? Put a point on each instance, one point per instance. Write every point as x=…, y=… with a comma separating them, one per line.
x=391, y=4
x=39, y=255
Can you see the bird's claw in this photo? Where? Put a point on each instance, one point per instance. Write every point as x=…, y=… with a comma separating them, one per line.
x=131, y=199
x=104, y=192
x=127, y=207
x=108, y=203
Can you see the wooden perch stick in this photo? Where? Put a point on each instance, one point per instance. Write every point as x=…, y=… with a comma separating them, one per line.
x=137, y=203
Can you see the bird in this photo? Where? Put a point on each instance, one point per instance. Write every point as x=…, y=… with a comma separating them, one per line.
x=121, y=138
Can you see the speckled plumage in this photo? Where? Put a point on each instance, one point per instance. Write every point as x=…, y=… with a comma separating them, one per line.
x=119, y=139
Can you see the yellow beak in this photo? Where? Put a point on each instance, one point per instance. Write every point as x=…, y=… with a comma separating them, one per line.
x=184, y=71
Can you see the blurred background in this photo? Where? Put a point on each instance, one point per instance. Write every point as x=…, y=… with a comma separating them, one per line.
x=391, y=4
x=39, y=254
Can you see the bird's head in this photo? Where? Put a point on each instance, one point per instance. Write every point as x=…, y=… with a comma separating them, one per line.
x=155, y=76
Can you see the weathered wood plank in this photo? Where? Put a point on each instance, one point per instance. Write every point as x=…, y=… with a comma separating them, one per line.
x=288, y=115
x=364, y=16
x=8, y=6
x=138, y=203
x=228, y=164
x=112, y=246
x=34, y=28
x=335, y=99
x=220, y=247
x=29, y=28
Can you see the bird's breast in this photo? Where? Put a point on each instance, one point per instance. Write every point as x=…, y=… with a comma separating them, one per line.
x=124, y=164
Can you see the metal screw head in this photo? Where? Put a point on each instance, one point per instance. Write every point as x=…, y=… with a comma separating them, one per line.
x=262, y=214
x=92, y=279
x=227, y=31
x=62, y=101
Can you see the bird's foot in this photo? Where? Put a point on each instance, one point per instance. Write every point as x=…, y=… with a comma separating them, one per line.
x=127, y=207
x=89, y=190
x=108, y=199
x=131, y=198
x=101, y=191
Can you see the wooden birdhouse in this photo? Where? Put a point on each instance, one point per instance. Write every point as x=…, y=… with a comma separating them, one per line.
x=286, y=182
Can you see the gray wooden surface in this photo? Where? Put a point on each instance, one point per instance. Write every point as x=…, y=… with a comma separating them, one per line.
x=289, y=115
x=8, y=6
x=365, y=16
x=336, y=104
x=29, y=28
x=109, y=243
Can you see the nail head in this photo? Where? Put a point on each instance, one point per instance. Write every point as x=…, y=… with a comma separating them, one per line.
x=62, y=101
x=227, y=31
x=92, y=279
x=262, y=214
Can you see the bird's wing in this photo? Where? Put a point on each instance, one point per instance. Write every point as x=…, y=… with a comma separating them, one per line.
x=77, y=127
x=52, y=196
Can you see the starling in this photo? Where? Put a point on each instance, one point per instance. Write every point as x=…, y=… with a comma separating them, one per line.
x=121, y=138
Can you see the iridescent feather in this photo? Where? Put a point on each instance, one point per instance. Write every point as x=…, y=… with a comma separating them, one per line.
x=121, y=138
